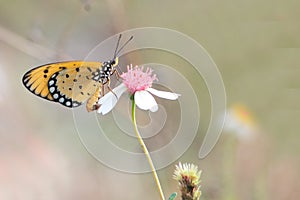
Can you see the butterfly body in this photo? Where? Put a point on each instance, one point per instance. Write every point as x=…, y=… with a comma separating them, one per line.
x=71, y=83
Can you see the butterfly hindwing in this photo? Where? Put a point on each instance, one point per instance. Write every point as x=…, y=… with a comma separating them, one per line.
x=72, y=86
x=68, y=83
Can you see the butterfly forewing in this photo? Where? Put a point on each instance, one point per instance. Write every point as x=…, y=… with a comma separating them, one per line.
x=36, y=80
x=69, y=83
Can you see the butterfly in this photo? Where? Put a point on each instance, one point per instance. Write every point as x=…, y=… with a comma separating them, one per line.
x=71, y=83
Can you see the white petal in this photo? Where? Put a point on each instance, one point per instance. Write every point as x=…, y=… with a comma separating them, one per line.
x=108, y=105
x=145, y=101
x=163, y=94
x=119, y=90
x=109, y=100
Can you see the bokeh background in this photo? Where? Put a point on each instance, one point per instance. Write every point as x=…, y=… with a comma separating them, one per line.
x=255, y=45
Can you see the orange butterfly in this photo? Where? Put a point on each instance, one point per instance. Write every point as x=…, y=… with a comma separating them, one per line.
x=71, y=83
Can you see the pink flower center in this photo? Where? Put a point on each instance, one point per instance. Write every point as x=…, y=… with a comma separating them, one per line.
x=136, y=80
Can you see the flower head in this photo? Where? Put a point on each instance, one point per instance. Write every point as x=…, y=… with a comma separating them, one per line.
x=136, y=80
x=188, y=178
x=139, y=84
x=241, y=122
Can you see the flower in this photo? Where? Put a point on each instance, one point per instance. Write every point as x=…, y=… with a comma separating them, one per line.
x=241, y=122
x=138, y=83
x=188, y=178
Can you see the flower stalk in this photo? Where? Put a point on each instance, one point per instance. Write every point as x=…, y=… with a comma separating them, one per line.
x=139, y=84
x=145, y=150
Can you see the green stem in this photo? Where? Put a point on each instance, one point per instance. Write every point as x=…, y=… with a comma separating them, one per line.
x=146, y=150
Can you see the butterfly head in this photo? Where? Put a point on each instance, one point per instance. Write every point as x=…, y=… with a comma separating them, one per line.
x=114, y=62
x=109, y=66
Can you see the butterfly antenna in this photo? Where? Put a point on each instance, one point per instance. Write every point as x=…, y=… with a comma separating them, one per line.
x=115, y=54
x=122, y=47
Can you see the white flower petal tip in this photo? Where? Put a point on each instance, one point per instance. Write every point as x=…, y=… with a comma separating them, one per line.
x=164, y=94
x=145, y=101
x=154, y=108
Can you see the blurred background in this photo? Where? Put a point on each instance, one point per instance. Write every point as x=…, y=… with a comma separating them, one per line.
x=255, y=45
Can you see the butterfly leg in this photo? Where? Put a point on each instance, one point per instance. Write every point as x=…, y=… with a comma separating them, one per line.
x=109, y=88
x=117, y=74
